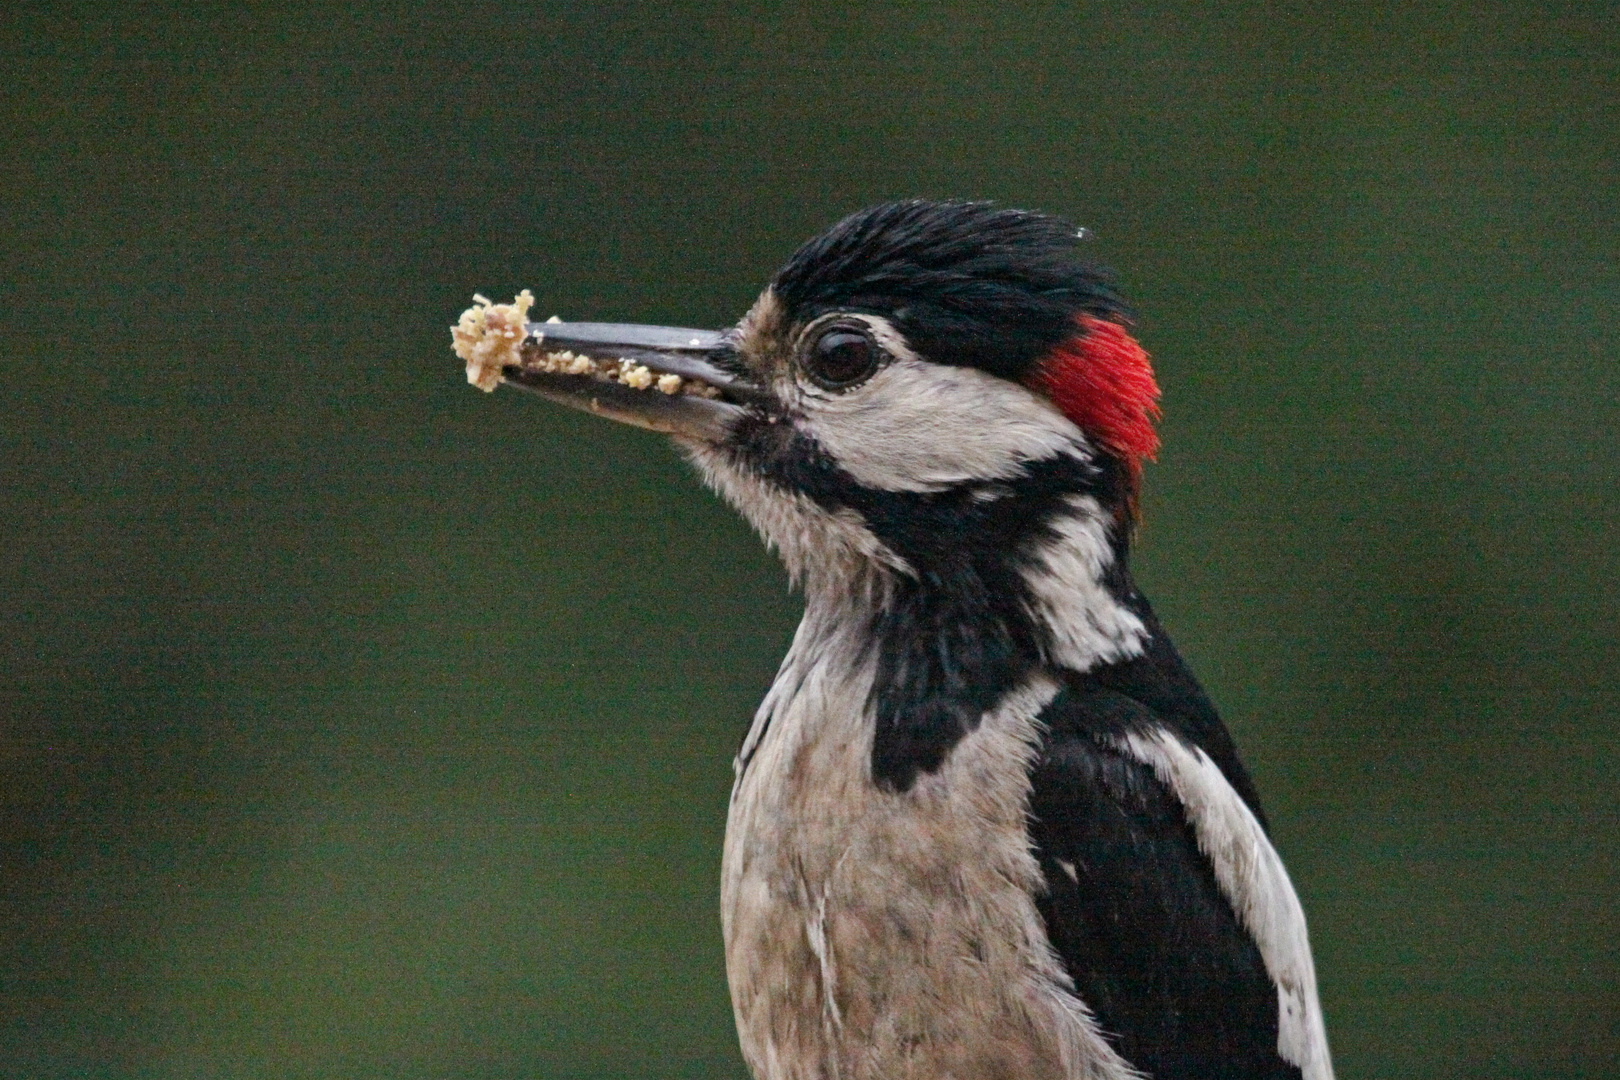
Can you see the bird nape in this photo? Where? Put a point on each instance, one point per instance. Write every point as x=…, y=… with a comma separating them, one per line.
x=985, y=823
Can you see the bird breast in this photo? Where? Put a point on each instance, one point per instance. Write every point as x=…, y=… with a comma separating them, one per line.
x=873, y=933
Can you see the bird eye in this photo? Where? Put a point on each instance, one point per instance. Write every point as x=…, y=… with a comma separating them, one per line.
x=841, y=358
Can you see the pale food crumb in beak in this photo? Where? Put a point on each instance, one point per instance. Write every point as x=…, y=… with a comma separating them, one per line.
x=488, y=336
x=635, y=375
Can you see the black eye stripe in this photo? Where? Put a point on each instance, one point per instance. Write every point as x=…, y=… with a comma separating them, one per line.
x=842, y=357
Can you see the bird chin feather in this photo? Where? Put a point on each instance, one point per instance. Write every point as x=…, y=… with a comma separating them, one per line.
x=823, y=550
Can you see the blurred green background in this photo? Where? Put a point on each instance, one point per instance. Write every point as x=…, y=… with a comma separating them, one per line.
x=356, y=724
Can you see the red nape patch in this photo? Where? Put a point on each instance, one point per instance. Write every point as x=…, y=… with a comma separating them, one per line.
x=1102, y=380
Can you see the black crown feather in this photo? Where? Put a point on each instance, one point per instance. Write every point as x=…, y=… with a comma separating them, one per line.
x=967, y=283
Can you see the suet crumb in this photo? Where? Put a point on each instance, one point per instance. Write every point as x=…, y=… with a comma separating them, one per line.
x=488, y=337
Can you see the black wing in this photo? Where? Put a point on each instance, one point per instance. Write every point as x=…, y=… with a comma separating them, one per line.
x=1134, y=910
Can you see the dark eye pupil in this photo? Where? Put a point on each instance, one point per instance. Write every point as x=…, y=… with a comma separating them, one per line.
x=842, y=357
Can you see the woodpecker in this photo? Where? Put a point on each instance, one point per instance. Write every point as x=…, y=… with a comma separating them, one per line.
x=985, y=825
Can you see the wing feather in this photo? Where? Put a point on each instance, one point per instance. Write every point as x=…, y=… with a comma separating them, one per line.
x=1142, y=919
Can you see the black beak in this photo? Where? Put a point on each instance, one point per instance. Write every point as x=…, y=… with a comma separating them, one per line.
x=663, y=378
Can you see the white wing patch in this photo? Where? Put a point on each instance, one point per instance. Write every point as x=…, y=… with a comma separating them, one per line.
x=1252, y=877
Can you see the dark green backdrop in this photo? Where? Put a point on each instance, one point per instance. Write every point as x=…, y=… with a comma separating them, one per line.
x=356, y=724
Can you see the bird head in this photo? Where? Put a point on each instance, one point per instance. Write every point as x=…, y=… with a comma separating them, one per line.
x=936, y=413
x=923, y=380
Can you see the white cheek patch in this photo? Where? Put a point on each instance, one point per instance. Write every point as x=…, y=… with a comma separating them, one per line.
x=917, y=426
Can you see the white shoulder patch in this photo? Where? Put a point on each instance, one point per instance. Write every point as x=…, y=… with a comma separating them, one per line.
x=1252, y=877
